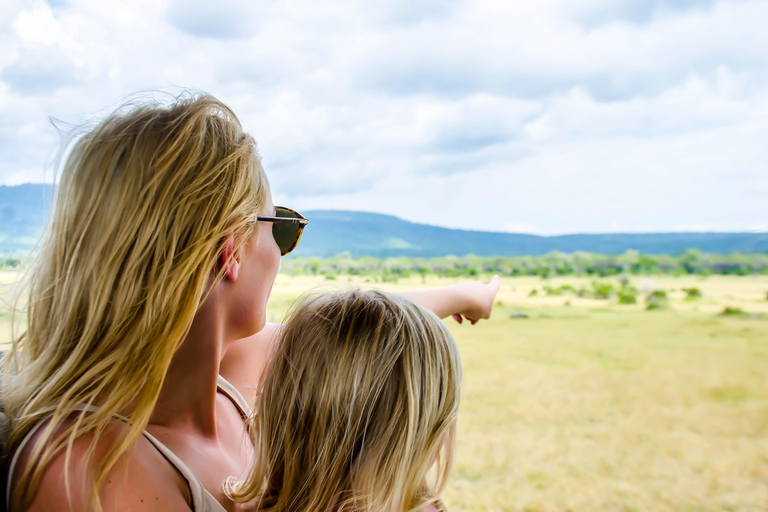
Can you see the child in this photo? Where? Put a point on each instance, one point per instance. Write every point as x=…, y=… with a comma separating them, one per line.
x=358, y=409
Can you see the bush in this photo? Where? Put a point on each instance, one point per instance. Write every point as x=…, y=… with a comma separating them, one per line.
x=692, y=293
x=627, y=295
x=562, y=290
x=11, y=263
x=733, y=311
x=533, y=293
x=603, y=290
x=657, y=299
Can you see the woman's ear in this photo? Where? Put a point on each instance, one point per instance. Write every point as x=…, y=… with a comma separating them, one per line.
x=229, y=259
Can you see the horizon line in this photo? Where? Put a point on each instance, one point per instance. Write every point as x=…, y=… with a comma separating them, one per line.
x=681, y=231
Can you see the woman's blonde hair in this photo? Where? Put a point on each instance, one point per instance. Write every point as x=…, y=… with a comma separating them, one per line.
x=145, y=201
x=359, y=401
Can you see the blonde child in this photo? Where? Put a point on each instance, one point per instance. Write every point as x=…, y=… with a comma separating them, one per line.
x=357, y=410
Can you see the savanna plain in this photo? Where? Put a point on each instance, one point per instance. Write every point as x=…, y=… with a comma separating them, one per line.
x=581, y=404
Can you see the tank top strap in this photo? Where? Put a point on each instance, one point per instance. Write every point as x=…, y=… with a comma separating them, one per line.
x=202, y=500
x=15, y=461
x=233, y=394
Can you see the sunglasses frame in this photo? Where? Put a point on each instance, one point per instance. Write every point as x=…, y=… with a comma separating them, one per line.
x=298, y=219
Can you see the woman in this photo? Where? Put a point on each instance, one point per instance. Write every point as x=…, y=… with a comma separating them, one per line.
x=159, y=256
x=365, y=438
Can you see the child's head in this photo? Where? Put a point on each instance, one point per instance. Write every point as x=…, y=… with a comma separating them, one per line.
x=360, y=400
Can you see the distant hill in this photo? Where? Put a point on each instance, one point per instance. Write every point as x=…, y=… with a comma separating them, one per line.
x=331, y=232
x=24, y=209
x=23, y=212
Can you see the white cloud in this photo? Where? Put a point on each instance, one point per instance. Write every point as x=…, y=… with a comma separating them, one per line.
x=37, y=25
x=224, y=19
x=521, y=227
x=40, y=71
x=567, y=116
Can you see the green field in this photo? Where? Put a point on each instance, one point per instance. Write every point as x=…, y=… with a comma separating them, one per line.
x=588, y=405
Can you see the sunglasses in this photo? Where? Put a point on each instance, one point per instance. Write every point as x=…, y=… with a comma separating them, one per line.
x=287, y=226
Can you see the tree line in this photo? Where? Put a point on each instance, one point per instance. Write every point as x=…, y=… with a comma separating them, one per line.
x=692, y=262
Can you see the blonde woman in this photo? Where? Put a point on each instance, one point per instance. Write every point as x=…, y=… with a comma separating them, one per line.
x=160, y=253
x=358, y=404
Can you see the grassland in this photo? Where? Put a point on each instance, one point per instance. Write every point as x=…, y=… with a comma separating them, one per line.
x=588, y=405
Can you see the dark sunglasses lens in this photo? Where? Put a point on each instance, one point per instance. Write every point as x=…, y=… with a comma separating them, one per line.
x=286, y=234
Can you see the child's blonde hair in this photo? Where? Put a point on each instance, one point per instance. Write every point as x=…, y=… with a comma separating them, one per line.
x=360, y=400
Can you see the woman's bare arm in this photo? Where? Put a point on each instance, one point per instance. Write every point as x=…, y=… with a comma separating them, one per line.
x=471, y=300
x=247, y=358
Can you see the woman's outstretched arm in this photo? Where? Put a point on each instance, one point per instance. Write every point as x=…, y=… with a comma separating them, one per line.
x=246, y=359
x=471, y=300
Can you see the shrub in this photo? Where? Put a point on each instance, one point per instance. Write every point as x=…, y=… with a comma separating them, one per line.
x=733, y=311
x=533, y=293
x=11, y=263
x=561, y=290
x=603, y=290
x=627, y=295
x=692, y=293
x=657, y=299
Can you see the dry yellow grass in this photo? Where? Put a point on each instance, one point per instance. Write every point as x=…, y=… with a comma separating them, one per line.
x=596, y=406
x=8, y=282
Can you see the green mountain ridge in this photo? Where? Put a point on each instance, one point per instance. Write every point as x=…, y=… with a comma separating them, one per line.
x=24, y=210
x=331, y=232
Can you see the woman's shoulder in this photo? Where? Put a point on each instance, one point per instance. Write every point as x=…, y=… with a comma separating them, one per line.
x=141, y=479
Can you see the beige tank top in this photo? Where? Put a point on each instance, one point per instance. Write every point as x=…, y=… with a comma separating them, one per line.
x=202, y=500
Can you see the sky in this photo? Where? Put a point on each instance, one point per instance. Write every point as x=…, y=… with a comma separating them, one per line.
x=545, y=117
